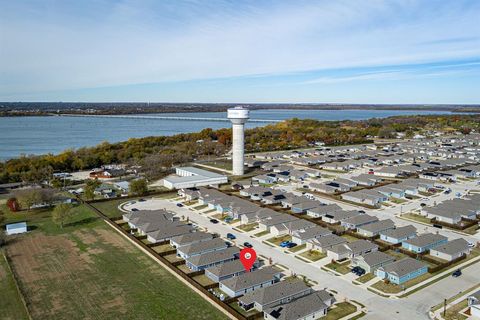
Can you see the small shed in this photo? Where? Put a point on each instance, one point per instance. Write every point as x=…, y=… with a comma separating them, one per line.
x=16, y=228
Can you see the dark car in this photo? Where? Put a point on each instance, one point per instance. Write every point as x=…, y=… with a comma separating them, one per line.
x=134, y=209
x=179, y=205
x=361, y=211
x=231, y=236
x=215, y=221
x=423, y=204
x=457, y=273
x=247, y=244
x=291, y=245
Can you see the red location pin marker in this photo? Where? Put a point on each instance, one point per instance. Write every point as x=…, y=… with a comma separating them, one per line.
x=248, y=257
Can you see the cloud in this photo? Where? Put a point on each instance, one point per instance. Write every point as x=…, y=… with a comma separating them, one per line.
x=86, y=44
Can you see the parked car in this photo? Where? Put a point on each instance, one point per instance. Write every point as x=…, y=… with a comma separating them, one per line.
x=214, y=221
x=134, y=209
x=471, y=245
x=358, y=271
x=228, y=219
x=447, y=191
x=423, y=204
x=361, y=211
x=457, y=273
x=231, y=236
x=284, y=244
x=291, y=245
x=179, y=205
x=247, y=244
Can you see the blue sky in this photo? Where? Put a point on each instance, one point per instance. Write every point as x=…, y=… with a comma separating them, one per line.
x=369, y=51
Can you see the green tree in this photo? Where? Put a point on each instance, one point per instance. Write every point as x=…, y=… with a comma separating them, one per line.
x=90, y=187
x=61, y=214
x=29, y=197
x=138, y=187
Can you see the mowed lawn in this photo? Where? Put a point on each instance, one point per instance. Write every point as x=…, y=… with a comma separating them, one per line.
x=11, y=306
x=89, y=271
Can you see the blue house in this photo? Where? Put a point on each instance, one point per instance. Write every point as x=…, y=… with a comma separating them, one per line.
x=398, y=235
x=401, y=271
x=16, y=228
x=424, y=242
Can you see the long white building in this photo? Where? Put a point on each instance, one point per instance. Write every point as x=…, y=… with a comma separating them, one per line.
x=190, y=177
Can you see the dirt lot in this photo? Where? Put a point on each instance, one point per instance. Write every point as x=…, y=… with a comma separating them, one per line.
x=93, y=273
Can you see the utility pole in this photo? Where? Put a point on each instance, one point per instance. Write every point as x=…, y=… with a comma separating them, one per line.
x=444, y=307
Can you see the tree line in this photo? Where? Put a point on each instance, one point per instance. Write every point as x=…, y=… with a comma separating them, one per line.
x=157, y=155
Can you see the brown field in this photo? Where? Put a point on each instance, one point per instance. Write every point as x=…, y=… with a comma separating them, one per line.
x=94, y=273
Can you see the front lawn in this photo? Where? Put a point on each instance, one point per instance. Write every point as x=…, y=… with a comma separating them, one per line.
x=342, y=268
x=365, y=278
x=340, y=310
x=261, y=234
x=248, y=227
x=313, y=255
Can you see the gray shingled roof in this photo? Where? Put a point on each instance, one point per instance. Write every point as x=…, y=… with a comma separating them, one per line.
x=226, y=268
x=378, y=226
x=198, y=247
x=376, y=258
x=250, y=279
x=452, y=247
x=278, y=291
x=301, y=307
x=191, y=238
x=403, y=267
x=400, y=232
x=213, y=257
x=425, y=239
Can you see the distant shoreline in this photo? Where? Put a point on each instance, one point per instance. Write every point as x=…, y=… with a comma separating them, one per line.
x=23, y=109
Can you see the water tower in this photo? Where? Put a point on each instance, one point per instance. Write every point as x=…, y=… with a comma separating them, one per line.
x=238, y=116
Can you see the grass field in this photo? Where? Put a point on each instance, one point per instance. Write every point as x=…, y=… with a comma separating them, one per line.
x=11, y=304
x=88, y=271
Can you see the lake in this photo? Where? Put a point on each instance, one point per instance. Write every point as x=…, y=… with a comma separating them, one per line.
x=40, y=135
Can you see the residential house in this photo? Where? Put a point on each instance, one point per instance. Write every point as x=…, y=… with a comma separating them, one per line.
x=474, y=304
x=324, y=243
x=399, y=234
x=225, y=270
x=358, y=221
x=339, y=216
x=351, y=250
x=190, y=238
x=202, y=247
x=424, y=242
x=279, y=293
x=207, y=260
x=370, y=262
x=312, y=306
x=302, y=236
x=451, y=250
x=374, y=229
x=320, y=211
x=250, y=281
x=401, y=271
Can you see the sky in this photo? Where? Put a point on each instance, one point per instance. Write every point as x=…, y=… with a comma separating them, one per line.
x=251, y=51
